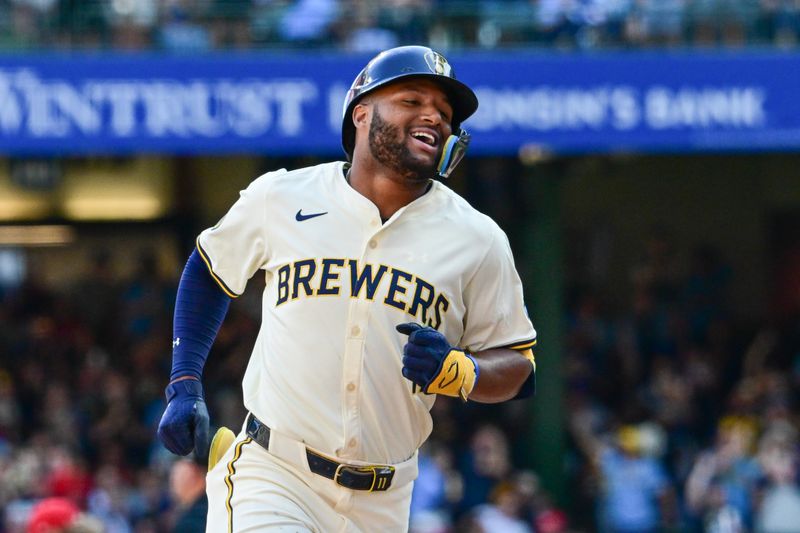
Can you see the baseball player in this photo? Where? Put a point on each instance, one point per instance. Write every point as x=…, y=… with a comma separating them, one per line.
x=384, y=289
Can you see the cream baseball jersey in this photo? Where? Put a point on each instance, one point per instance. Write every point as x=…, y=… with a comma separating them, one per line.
x=326, y=366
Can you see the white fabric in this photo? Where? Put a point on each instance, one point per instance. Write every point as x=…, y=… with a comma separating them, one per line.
x=269, y=494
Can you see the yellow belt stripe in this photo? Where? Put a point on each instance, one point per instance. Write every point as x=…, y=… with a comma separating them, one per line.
x=229, y=481
x=211, y=271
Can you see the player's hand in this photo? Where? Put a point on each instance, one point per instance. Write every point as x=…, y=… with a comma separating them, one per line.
x=184, y=424
x=434, y=365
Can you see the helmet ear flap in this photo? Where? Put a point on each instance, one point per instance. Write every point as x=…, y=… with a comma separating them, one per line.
x=454, y=150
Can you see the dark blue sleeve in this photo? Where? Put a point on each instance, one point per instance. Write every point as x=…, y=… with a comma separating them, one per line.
x=200, y=308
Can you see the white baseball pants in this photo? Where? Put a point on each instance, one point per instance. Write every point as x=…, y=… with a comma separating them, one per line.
x=253, y=490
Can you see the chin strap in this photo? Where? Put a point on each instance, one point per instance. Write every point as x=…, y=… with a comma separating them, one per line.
x=453, y=152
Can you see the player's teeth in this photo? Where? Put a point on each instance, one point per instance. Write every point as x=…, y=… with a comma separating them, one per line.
x=428, y=138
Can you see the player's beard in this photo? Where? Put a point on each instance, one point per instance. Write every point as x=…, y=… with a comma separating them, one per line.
x=390, y=148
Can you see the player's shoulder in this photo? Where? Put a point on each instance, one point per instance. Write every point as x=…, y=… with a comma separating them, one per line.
x=283, y=180
x=472, y=222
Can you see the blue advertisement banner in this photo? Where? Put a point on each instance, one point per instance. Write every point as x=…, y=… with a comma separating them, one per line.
x=291, y=103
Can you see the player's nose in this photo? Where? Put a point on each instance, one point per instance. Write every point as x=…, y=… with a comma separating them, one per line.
x=431, y=114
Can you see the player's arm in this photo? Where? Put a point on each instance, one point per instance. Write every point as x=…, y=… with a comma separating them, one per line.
x=488, y=376
x=498, y=320
x=503, y=374
x=200, y=308
x=226, y=257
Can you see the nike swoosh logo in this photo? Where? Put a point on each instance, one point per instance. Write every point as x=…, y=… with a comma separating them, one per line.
x=301, y=217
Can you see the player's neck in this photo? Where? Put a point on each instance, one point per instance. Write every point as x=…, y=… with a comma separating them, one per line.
x=388, y=192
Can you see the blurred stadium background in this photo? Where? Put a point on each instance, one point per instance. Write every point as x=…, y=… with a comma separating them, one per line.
x=642, y=155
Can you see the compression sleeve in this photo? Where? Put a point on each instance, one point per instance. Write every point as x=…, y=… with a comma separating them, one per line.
x=200, y=308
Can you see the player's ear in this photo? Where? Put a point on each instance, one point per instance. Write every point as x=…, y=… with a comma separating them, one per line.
x=361, y=115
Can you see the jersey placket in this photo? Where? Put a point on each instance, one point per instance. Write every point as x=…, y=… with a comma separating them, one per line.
x=353, y=363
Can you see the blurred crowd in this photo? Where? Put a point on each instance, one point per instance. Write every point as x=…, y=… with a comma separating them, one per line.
x=680, y=417
x=683, y=416
x=82, y=372
x=360, y=26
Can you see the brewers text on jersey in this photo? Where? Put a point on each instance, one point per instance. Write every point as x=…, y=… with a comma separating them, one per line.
x=404, y=291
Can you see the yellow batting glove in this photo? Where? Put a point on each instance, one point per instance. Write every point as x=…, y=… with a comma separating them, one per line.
x=456, y=377
x=438, y=368
x=222, y=440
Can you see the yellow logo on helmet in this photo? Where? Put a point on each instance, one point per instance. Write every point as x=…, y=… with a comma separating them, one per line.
x=438, y=64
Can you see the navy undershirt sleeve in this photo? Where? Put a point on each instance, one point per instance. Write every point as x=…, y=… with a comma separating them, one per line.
x=200, y=308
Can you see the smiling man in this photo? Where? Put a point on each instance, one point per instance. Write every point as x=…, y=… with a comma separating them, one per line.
x=384, y=289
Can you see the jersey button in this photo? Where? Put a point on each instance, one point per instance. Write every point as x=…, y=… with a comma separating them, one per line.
x=373, y=222
x=355, y=331
x=351, y=387
x=352, y=443
x=373, y=244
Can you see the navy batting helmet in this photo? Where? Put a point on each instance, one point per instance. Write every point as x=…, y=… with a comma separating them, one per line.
x=409, y=62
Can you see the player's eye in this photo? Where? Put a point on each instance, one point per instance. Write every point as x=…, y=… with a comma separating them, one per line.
x=410, y=101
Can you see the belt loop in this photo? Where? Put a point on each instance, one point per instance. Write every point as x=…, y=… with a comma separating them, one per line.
x=257, y=431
